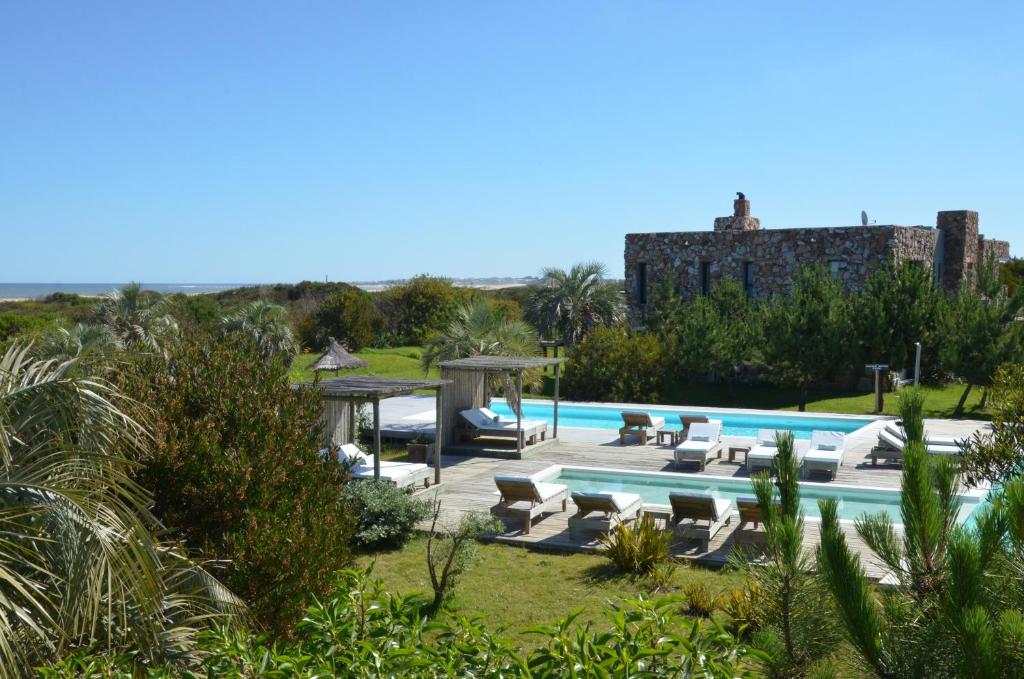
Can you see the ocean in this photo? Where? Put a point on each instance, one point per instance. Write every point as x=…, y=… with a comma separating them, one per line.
x=35, y=290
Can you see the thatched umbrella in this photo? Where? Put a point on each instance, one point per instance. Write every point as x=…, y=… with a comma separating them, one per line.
x=336, y=358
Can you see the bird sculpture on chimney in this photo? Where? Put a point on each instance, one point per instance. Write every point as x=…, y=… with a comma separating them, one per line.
x=741, y=196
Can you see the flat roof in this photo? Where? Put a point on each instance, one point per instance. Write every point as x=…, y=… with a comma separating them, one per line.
x=501, y=363
x=370, y=387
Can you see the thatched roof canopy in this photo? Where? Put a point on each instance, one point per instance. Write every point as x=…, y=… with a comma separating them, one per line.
x=505, y=364
x=336, y=358
x=371, y=387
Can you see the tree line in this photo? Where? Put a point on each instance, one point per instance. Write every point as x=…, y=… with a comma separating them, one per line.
x=819, y=333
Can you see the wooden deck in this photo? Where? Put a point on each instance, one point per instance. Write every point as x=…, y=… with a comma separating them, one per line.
x=468, y=486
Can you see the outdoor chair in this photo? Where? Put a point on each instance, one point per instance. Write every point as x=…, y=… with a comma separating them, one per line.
x=703, y=442
x=825, y=454
x=524, y=498
x=639, y=424
x=699, y=516
x=601, y=512
x=890, y=448
x=762, y=455
x=401, y=474
x=483, y=422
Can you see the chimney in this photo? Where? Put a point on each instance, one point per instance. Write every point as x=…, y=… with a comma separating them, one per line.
x=741, y=219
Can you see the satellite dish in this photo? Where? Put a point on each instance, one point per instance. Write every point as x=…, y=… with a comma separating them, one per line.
x=863, y=218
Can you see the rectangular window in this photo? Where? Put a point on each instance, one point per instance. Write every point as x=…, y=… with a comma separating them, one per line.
x=641, y=283
x=705, y=278
x=748, y=278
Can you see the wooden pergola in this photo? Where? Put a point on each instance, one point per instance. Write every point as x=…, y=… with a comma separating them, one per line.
x=466, y=387
x=342, y=394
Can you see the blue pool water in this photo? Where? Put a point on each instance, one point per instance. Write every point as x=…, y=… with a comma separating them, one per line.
x=654, y=489
x=733, y=424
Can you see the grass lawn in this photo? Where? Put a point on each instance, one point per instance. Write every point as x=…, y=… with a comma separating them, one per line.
x=514, y=588
x=939, y=401
x=391, y=362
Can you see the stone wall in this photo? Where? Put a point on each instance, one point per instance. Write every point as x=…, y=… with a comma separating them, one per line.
x=960, y=245
x=999, y=250
x=773, y=256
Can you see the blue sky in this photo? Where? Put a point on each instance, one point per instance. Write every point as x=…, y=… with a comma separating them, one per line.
x=261, y=142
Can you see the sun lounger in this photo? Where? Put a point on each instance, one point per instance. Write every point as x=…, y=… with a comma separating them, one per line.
x=699, y=516
x=524, y=498
x=890, y=448
x=402, y=474
x=601, y=512
x=825, y=454
x=762, y=455
x=931, y=439
x=640, y=424
x=703, y=441
x=483, y=422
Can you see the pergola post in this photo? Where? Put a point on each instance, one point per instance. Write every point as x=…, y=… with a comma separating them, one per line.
x=376, y=439
x=519, y=413
x=351, y=422
x=438, y=436
x=555, y=435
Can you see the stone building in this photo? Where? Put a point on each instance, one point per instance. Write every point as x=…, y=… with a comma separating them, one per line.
x=763, y=261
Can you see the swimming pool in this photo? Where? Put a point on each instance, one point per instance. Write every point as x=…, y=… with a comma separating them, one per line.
x=733, y=423
x=654, y=488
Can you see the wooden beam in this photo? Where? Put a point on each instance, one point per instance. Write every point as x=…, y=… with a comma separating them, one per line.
x=519, y=414
x=555, y=434
x=351, y=422
x=438, y=436
x=376, y=439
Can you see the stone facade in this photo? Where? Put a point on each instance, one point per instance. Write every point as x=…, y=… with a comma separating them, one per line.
x=764, y=261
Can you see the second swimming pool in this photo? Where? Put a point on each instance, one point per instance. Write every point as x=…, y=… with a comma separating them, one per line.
x=733, y=423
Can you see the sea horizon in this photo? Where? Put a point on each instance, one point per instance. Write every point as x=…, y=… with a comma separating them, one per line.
x=14, y=291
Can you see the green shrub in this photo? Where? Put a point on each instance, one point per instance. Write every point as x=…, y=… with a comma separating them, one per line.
x=699, y=599
x=385, y=516
x=418, y=309
x=347, y=315
x=236, y=473
x=636, y=547
x=364, y=631
x=612, y=364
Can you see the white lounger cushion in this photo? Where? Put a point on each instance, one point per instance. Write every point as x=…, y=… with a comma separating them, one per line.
x=545, y=491
x=620, y=502
x=350, y=453
x=931, y=439
x=689, y=446
x=886, y=437
x=822, y=456
x=479, y=419
x=827, y=440
x=704, y=431
x=392, y=471
x=762, y=452
x=766, y=437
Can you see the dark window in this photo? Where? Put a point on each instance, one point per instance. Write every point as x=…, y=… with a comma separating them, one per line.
x=748, y=278
x=641, y=283
x=705, y=278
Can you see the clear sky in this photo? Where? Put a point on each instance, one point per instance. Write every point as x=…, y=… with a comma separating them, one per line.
x=276, y=141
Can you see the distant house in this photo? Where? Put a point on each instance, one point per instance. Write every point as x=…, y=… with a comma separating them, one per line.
x=763, y=261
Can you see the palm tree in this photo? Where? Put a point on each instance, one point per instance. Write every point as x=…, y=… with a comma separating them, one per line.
x=79, y=341
x=137, y=320
x=571, y=303
x=78, y=561
x=481, y=328
x=266, y=325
